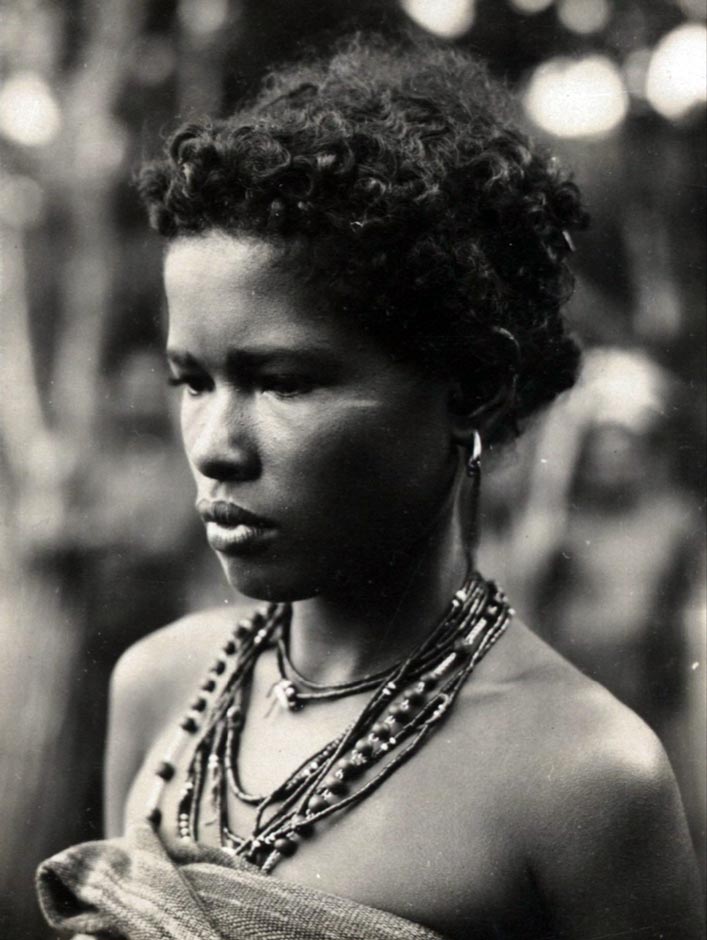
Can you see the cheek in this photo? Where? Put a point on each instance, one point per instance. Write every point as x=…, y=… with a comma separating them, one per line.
x=190, y=425
x=364, y=463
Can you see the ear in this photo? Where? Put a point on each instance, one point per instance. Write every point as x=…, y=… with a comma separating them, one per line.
x=467, y=417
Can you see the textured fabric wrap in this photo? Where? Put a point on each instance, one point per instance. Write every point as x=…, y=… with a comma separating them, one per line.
x=132, y=888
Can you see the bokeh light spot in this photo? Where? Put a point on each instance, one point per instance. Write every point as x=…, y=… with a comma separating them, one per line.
x=203, y=17
x=577, y=98
x=29, y=113
x=445, y=18
x=677, y=75
x=584, y=16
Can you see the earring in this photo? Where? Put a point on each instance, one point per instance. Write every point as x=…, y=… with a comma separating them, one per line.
x=473, y=470
x=473, y=459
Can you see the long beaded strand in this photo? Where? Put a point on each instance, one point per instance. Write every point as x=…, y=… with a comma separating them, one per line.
x=209, y=693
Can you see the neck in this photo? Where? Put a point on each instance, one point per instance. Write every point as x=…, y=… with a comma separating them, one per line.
x=343, y=636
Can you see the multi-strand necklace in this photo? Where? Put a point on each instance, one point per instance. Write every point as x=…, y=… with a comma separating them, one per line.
x=408, y=700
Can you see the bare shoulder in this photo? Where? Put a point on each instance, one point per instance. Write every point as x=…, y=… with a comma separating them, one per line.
x=591, y=733
x=150, y=686
x=572, y=735
x=156, y=673
x=593, y=800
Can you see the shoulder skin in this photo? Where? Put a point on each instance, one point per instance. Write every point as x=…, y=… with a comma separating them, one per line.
x=150, y=685
x=596, y=805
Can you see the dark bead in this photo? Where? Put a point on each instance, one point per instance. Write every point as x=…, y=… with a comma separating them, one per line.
x=303, y=827
x=364, y=747
x=356, y=767
x=209, y=685
x=426, y=683
x=165, y=770
x=344, y=767
x=335, y=785
x=199, y=704
x=285, y=846
x=189, y=725
x=243, y=630
x=317, y=803
x=154, y=817
x=398, y=712
x=381, y=730
x=230, y=648
x=218, y=667
x=258, y=619
x=258, y=855
x=416, y=698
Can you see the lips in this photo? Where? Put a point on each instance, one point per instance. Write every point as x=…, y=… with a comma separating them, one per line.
x=232, y=529
x=229, y=514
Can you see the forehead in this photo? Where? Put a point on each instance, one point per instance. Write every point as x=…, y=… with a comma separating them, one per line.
x=222, y=265
x=229, y=287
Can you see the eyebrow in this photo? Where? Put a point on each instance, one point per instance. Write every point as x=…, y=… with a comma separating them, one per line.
x=178, y=358
x=244, y=359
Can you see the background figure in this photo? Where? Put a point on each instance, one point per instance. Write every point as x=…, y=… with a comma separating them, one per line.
x=613, y=595
x=613, y=610
x=97, y=544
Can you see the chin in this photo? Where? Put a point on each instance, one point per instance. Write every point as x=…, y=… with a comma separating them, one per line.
x=269, y=582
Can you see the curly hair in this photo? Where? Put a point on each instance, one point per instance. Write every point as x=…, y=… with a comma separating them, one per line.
x=414, y=203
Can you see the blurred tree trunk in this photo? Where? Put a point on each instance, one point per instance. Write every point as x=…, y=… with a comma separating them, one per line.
x=41, y=614
x=91, y=151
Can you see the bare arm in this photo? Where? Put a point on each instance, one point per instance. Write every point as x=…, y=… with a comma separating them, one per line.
x=127, y=736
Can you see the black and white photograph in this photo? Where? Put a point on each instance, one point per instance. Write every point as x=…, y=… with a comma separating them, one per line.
x=353, y=437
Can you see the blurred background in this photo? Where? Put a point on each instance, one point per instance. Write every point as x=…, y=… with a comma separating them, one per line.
x=593, y=521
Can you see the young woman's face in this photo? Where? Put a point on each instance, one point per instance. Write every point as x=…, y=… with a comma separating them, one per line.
x=318, y=461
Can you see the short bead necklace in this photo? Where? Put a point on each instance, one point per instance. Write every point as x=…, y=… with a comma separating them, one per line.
x=409, y=700
x=294, y=691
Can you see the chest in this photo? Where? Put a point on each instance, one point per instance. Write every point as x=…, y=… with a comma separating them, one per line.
x=431, y=844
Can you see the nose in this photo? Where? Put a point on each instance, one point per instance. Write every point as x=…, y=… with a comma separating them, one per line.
x=219, y=438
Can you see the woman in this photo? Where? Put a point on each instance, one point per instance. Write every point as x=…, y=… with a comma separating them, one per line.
x=364, y=274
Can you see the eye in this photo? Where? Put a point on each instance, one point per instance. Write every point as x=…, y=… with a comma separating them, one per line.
x=287, y=385
x=192, y=384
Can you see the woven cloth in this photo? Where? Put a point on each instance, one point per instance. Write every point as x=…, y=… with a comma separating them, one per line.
x=132, y=888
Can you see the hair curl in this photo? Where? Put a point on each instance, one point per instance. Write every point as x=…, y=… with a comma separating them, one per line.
x=414, y=204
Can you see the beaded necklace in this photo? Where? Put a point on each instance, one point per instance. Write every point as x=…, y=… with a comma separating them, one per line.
x=409, y=700
x=293, y=690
